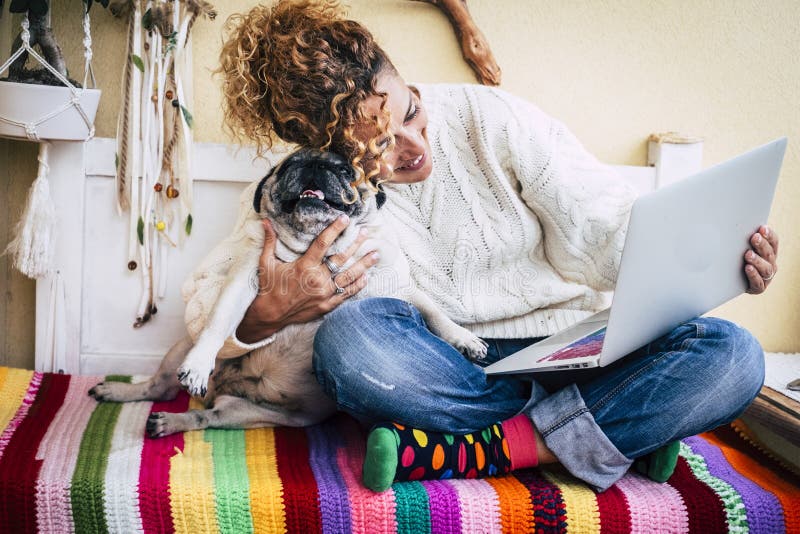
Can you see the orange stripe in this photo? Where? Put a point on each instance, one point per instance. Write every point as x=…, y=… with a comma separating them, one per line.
x=514, y=500
x=786, y=492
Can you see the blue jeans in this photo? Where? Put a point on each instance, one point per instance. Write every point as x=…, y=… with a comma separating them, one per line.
x=379, y=361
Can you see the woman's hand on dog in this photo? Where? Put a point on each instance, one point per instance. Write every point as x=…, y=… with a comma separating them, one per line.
x=302, y=290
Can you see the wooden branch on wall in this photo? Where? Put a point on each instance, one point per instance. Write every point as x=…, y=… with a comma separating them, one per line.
x=474, y=45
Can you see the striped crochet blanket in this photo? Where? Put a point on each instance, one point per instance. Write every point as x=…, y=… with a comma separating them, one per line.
x=68, y=464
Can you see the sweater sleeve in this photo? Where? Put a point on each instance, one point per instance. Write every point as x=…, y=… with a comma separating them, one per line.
x=202, y=287
x=582, y=204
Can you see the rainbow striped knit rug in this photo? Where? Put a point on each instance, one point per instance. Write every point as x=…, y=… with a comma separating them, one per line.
x=69, y=464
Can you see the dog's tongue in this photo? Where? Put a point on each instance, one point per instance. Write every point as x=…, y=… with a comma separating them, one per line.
x=316, y=192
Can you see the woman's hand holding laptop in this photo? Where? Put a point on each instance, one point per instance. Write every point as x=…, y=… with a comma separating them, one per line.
x=761, y=262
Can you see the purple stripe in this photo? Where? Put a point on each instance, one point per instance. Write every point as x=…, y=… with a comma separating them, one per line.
x=760, y=505
x=334, y=501
x=445, y=509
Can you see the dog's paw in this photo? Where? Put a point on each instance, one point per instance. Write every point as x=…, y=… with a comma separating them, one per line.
x=197, y=366
x=109, y=392
x=160, y=424
x=195, y=378
x=470, y=345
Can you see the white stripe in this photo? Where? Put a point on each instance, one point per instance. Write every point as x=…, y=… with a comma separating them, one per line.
x=121, y=498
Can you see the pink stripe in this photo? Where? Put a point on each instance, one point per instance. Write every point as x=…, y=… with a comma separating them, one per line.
x=59, y=454
x=22, y=411
x=479, y=505
x=651, y=503
x=154, y=504
x=369, y=512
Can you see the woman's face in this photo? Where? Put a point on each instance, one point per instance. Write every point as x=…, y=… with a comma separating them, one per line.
x=410, y=158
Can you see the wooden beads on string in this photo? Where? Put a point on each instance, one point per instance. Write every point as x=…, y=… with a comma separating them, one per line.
x=172, y=192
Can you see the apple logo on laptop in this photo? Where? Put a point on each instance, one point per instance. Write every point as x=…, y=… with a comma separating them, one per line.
x=698, y=248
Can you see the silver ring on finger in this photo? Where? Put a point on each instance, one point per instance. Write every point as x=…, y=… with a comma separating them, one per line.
x=770, y=277
x=332, y=267
x=339, y=289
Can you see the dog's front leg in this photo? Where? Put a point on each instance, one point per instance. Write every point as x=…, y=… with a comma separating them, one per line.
x=235, y=297
x=465, y=341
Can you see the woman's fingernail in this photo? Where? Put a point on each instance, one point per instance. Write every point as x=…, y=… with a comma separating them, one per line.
x=766, y=231
x=750, y=255
x=758, y=238
x=344, y=218
x=376, y=256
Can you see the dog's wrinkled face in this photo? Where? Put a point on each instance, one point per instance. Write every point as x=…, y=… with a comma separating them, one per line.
x=309, y=190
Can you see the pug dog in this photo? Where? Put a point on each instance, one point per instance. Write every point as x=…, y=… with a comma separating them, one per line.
x=274, y=385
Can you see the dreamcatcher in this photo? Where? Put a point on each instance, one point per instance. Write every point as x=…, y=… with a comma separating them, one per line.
x=154, y=139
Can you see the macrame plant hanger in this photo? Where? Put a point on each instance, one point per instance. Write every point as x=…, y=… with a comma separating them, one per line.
x=34, y=240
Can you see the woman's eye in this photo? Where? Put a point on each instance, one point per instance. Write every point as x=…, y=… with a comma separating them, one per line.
x=413, y=114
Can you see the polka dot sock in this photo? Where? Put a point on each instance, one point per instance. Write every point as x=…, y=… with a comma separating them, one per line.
x=399, y=453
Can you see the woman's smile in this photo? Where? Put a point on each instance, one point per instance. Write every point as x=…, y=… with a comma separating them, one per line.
x=412, y=165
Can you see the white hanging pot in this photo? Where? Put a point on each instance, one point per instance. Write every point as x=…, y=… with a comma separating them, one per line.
x=43, y=113
x=46, y=112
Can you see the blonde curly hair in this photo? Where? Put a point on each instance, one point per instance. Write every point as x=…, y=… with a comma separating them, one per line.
x=299, y=71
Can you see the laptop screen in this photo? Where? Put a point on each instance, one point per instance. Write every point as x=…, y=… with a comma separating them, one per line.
x=590, y=345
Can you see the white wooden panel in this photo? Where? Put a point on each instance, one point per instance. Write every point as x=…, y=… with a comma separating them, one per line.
x=642, y=179
x=212, y=161
x=66, y=187
x=111, y=291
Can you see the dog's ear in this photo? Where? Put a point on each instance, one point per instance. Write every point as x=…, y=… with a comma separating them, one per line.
x=380, y=196
x=259, y=191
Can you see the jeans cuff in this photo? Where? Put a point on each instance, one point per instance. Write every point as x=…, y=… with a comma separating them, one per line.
x=570, y=431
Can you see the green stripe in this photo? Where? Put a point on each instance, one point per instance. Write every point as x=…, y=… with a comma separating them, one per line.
x=88, y=481
x=231, y=483
x=413, y=508
x=731, y=500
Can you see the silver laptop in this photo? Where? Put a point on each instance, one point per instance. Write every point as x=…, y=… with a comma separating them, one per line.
x=683, y=256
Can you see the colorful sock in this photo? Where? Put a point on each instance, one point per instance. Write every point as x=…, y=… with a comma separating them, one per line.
x=397, y=453
x=659, y=464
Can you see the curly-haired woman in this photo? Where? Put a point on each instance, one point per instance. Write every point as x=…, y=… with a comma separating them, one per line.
x=511, y=226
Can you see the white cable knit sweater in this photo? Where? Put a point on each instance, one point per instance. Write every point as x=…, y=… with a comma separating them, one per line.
x=518, y=231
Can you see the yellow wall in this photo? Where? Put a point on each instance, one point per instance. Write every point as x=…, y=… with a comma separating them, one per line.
x=614, y=71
